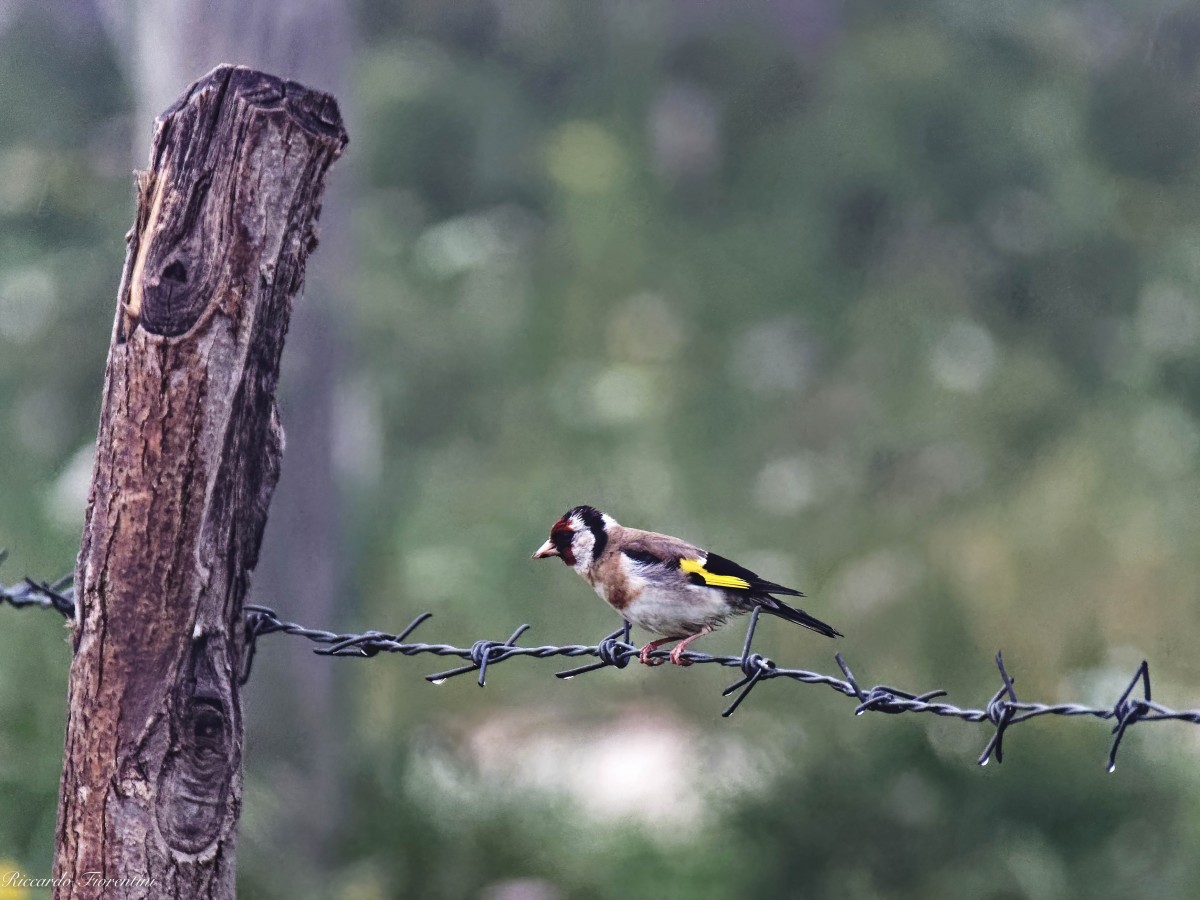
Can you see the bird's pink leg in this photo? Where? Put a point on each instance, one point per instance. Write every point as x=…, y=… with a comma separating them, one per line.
x=644, y=656
x=677, y=652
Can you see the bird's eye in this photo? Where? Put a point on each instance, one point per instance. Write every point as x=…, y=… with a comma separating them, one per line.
x=561, y=538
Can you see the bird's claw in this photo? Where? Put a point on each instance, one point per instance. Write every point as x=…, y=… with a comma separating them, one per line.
x=646, y=659
x=676, y=657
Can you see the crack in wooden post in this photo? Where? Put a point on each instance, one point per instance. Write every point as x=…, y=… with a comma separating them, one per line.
x=187, y=457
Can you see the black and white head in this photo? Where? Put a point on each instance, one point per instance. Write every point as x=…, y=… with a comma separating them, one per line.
x=579, y=537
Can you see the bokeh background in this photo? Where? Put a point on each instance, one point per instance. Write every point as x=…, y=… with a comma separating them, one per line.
x=895, y=302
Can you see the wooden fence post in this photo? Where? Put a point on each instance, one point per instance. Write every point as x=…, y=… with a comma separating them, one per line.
x=187, y=457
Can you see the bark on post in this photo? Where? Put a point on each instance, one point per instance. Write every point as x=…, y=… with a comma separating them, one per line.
x=187, y=456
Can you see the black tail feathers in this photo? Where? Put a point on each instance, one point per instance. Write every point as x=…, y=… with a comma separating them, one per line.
x=799, y=616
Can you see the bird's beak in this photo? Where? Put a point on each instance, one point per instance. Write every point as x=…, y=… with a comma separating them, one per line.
x=547, y=549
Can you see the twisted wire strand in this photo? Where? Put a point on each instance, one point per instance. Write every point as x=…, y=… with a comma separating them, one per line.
x=1002, y=711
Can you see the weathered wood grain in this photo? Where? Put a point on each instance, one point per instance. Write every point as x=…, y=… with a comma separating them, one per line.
x=187, y=456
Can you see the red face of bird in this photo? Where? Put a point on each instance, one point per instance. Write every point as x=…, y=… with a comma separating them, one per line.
x=578, y=537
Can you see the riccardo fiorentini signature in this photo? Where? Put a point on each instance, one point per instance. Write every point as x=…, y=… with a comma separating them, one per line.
x=13, y=879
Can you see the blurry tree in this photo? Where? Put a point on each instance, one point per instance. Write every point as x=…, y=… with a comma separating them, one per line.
x=63, y=183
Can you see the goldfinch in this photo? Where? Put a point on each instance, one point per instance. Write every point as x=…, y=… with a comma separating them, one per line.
x=664, y=584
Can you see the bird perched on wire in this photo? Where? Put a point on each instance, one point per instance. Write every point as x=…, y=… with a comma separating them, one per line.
x=662, y=583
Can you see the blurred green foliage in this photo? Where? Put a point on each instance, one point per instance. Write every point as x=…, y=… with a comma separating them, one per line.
x=895, y=302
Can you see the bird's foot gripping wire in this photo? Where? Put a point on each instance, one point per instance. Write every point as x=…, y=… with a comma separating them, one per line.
x=676, y=654
x=646, y=659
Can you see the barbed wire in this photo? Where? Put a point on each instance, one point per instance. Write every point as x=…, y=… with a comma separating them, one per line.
x=58, y=595
x=1004, y=710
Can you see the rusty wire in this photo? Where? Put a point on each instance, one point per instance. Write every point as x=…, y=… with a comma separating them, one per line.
x=1002, y=711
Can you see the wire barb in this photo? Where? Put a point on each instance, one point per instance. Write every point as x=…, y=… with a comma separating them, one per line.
x=57, y=595
x=480, y=654
x=1002, y=711
x=1129, y=711
x=999, y=713
x=612, y=652
x=755, y=667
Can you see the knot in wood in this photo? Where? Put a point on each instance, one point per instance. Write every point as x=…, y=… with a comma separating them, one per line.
x=194, y=783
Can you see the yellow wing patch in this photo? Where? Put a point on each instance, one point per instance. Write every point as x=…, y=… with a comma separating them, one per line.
x=694, y=567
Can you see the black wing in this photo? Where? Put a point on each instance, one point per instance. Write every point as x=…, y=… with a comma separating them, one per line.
x=727, y=568
x=718, y=572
